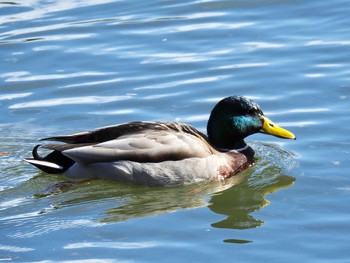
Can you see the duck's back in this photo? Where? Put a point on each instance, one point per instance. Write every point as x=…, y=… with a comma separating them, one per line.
x=136, y=141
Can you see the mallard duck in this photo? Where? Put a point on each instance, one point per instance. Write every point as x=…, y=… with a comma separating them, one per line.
x=162, y=153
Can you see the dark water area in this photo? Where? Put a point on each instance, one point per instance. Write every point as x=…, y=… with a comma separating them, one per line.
x=71, y=66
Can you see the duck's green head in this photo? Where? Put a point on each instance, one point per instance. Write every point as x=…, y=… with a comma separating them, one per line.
x=235, y=118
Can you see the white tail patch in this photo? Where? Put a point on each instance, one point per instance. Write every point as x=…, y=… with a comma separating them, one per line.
x=44, y=163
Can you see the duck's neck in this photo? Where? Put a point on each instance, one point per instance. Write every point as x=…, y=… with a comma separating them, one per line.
x=241, y=147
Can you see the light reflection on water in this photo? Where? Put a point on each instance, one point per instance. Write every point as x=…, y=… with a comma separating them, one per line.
x=74, y=66
x=67, y=101
x=236, y=199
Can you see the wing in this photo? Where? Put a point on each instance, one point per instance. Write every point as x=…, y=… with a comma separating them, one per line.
x=106, y=133
x=141, y=142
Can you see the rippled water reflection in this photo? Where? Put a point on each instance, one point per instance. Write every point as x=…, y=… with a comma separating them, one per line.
x=71, y=66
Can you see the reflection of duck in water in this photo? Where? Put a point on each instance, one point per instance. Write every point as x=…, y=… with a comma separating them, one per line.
x=162, y=153
x=235, y=198
x=238, y=202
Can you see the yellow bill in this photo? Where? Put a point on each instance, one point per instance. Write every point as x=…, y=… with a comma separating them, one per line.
x=270, y=128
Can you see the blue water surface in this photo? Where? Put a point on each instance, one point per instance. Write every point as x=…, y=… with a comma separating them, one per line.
x=71, y=66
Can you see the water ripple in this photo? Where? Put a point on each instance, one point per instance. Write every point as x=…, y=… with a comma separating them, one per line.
x=113, y=245
x=68, y=101
x=77, y=65
x=26, y=76
x=49, y=225
x=15, y=95
x=183, y=82
x=262, y=45
x=14, y=249
x=326, y=43
x=206, y=26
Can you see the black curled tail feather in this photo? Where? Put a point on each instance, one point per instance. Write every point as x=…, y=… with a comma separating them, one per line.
x=35, y=154
x=55, y=162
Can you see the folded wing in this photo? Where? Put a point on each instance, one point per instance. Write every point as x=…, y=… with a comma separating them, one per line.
x=137, y=141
